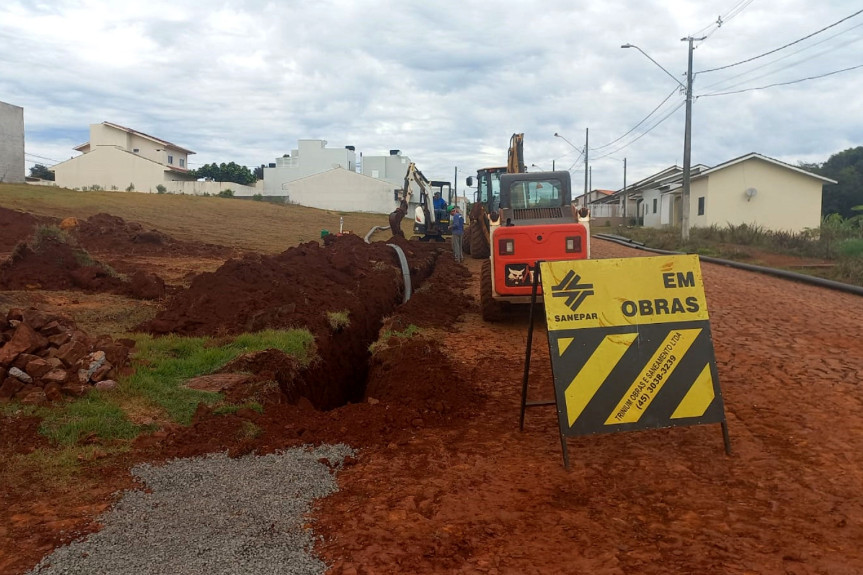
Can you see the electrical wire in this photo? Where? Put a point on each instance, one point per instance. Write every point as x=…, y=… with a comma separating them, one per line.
x=638, y=124
x=725, y=83
x=783, y=83
x=41, y=157
x=661, y=120
x=721, y=21
x=782, y=47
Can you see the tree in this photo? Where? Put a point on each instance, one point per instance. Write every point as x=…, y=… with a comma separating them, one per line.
x=223, y=172
x=846, y=168
x=40, y=171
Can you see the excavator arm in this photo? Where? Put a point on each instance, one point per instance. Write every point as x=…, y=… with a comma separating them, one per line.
x=515, y=156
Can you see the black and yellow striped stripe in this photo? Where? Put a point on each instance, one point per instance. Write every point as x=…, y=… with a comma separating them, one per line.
x=627, y=378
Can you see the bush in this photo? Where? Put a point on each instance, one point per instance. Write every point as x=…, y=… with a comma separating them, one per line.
x=160, y=189
x=851, y=248
x=131, y=187
x=228, y=193
x=258, y=197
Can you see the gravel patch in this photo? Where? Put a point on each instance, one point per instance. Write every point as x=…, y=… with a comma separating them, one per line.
x=210, y=514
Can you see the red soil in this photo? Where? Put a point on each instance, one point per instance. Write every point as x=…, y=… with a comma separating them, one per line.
x=445, y=482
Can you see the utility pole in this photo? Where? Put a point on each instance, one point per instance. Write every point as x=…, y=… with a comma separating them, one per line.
x=624, y=188
x=586, y=138
x=455, y=184
x=687, y=148
x=687, y=136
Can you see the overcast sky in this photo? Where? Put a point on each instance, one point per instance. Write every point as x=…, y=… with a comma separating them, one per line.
x=447, y=82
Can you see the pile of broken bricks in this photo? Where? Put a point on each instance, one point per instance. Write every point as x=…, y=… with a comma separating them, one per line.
x=44, y=357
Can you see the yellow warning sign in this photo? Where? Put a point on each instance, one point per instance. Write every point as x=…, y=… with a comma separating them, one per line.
x=631, y=344
x=619, y=292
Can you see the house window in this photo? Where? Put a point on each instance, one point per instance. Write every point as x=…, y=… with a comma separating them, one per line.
x=135, y=150
x=170, y=159
x=182, y=162
x=654, y=205
x=701, y=206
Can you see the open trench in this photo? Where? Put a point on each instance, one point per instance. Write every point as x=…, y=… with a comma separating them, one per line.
x=303, y=287
x=340, y=374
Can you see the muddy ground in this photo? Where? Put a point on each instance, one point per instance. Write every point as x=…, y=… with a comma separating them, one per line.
x=445, y=482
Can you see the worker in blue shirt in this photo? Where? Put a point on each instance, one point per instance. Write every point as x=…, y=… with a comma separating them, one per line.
x=456, y=225
x=439, y=205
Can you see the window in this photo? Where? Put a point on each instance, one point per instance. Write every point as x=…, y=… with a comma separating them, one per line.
x=701, y=206
x=182, y=162
x=654, y=205
x=544, y=194
x=135, y=150
x=170, y=159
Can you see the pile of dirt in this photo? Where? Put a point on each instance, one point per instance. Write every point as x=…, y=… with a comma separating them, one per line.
x=16, y=226
x=55, y=264
x=104, y=233
x=296, y=288
x=304, y=287
x=44, y=357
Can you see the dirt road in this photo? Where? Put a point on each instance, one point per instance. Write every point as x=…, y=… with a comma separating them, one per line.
x=445, y=482
x=481, y=497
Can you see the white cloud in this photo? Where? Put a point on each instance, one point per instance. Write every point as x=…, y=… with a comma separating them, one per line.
x=445, y=82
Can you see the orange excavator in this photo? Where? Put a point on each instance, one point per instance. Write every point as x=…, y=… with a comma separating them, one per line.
x=521, y=218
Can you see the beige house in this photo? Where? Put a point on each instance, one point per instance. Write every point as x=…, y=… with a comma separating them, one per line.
x=119, y=158
x=752, y=189
x=757, y=190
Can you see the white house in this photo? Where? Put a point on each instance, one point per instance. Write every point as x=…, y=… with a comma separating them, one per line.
x=344, y=190
x=11, y=143
x=391, y=168
x=120, y=158
x=309, y=158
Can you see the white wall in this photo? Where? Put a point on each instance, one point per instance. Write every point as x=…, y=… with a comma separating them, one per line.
x=113, y=168
x=311, y=157
x=652, y=219
x=342, y=190
x=391, y=168
x=212, y=188
x=11, y=143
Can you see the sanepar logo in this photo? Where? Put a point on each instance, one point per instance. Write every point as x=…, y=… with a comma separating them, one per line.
x=571, y=289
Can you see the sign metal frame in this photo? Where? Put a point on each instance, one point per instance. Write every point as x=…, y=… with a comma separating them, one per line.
x=629, y=377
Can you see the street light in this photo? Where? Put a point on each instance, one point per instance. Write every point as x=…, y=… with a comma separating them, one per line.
x=687, y=135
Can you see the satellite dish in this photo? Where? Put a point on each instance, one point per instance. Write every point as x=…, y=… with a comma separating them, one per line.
x=750, y=193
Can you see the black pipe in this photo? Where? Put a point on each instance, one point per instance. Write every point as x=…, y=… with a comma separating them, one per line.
x=794, y=276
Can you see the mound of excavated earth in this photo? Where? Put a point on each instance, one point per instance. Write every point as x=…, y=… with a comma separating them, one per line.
x=57, y=265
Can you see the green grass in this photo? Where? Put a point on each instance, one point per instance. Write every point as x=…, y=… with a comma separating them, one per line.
x=338, y=320
x=95, y=415
x=162, y=366
x=839, y=241
x=57, y=467
x=409, y=331
x=164, y=363
x=260, y=226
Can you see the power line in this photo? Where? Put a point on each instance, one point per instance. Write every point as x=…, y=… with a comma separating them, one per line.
x=661, y=120
x=638, y=124
x=41, y=157
x=783, y=83
x=726, y=81
x=721, y=21
x=782, y=47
